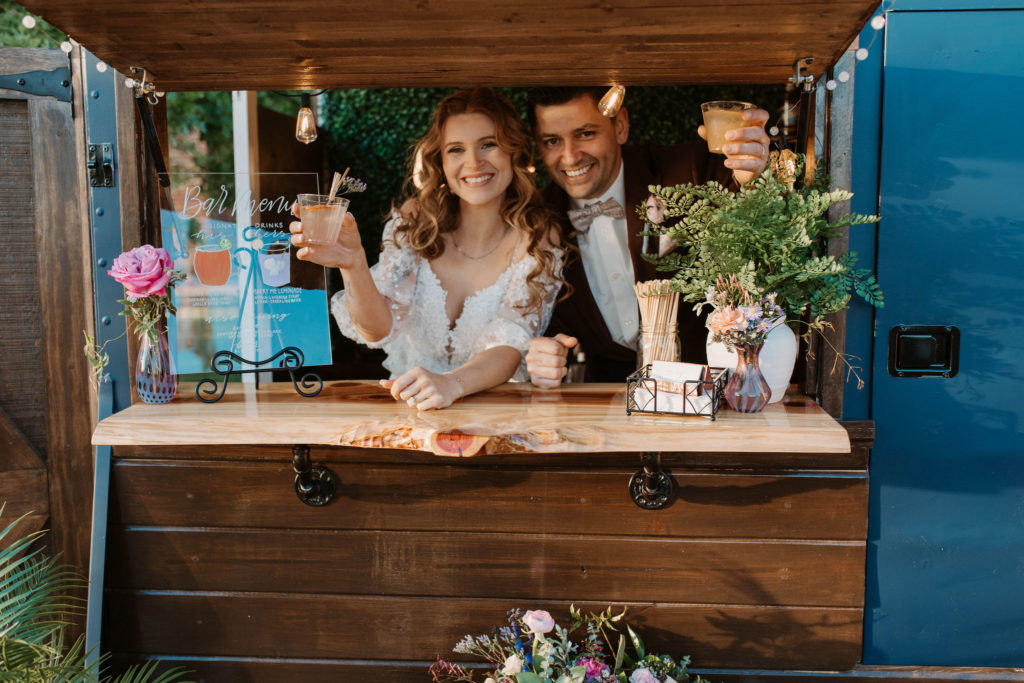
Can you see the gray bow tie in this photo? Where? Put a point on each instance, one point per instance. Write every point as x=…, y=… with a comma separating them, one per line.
x=582, y=218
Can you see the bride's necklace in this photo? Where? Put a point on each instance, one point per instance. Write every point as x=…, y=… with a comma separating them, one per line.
x=489, y=252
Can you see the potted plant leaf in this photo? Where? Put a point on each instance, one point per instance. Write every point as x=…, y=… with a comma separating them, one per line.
x=771, y=236
x=36, y=606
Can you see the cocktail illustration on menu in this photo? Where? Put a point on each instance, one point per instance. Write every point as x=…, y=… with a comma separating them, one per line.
x=212, y=263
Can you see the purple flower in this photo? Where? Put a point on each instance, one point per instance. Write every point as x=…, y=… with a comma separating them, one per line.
x=596, y=670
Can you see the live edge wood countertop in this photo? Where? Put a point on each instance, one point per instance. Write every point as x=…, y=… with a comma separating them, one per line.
x=511, y=418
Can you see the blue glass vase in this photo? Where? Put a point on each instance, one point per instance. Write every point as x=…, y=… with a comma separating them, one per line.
x=155, y=377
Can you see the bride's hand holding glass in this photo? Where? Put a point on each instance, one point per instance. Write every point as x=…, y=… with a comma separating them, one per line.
x=345, y=253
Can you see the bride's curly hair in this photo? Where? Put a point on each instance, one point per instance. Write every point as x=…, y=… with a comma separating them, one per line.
x=437, y=208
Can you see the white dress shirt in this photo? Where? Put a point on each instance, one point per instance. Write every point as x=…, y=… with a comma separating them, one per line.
x=604, y=249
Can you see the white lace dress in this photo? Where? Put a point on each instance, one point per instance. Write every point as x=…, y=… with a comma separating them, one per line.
x=420, y=334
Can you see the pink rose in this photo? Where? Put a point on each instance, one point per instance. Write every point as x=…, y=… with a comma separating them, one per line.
x=655, y=210
x=726, y=319
x=513, y=665
x=538, y=621
x=143, y=271
x=643, y=676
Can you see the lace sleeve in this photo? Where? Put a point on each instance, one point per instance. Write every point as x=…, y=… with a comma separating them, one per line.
x=512, y=325
x=395, y=276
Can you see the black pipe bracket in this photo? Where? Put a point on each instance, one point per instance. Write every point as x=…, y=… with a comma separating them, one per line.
x=651, y=487
x=314, y=484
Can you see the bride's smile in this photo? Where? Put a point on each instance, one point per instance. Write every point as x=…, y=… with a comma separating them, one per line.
x=477, y=170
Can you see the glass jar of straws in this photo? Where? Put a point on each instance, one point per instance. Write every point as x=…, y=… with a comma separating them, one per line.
x=659, y=334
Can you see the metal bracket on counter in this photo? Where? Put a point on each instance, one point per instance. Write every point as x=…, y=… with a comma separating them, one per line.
x=651, y=486
x=314, y=484
x=223, y=363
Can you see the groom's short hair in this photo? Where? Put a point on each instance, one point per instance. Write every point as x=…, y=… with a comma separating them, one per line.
x=547, y=97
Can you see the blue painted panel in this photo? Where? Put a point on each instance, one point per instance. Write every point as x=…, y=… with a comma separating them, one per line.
x=946, y=552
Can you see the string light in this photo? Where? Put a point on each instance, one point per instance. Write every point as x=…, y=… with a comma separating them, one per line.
x=798, y=80
x=612, y=101
x=305, y=122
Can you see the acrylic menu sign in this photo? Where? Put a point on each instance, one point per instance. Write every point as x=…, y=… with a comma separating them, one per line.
x=246, y=292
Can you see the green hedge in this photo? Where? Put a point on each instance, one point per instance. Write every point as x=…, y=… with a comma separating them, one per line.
x=372, y=131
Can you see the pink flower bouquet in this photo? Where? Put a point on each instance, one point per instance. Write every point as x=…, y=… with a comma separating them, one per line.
x=147, y=274
x=534, y=649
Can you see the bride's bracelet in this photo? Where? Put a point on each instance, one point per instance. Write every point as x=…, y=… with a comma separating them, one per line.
x=458, y=380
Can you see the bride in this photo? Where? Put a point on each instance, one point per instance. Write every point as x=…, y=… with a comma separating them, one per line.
x=470, y=269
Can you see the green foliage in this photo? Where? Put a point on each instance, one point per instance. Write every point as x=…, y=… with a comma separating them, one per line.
x=771, y=237
x=200, y=128
x=14, y=34
x=35, y=609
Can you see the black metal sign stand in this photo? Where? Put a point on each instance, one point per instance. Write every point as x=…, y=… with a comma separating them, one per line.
x=223, y=363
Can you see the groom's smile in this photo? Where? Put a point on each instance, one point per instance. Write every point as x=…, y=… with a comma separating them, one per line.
x=580, y=146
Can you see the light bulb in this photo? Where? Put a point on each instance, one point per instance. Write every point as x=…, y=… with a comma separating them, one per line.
x=612, y=101
x=830, y=84
x=305, y=123
x=861, y=54
x=773, y=131
x=843, y=76
x=28, y=21
x=66, y=47
x=101, y=66
x=877, y=22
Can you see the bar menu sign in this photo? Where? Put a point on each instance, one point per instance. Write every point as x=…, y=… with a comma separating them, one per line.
x=245, y=291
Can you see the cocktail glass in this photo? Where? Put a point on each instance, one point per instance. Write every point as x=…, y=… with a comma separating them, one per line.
x=321, y=219
x=212, y=264
x=275, y=265
x=721, y=116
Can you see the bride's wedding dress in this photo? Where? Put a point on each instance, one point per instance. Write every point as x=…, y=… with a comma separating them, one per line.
x=420, y=331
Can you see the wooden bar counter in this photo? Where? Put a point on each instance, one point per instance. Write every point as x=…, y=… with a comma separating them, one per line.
x=757, y=562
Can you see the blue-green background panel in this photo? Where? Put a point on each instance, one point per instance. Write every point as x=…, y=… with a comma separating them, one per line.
x=946, y=534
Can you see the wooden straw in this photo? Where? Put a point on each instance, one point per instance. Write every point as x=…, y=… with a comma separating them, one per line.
x=336, y=182
x=658, y=307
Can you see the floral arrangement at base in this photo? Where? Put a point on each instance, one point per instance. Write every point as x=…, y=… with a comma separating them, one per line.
x=532, y=648
x=738, y=318
x=148, y=276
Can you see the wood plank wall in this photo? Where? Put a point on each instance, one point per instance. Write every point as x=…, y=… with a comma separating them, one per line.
x=758, y=563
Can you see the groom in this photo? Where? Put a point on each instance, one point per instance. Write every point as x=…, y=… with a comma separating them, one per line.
x=591, y=166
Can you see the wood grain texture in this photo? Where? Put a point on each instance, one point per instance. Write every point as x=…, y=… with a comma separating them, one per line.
x=414, y=628
x=513, y=418
x=21, y=393
x=436, y=563
x=252, y=45
x=16, y=452
x=23, y=492
x=270, y=670
x=267, y=670
x=66, y=308
x=864, y=673
x=375, y=496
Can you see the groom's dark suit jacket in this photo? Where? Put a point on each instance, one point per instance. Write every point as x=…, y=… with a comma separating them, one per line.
x=579, y=316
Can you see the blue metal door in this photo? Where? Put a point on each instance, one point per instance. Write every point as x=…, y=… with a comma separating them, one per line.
x=946, y=558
